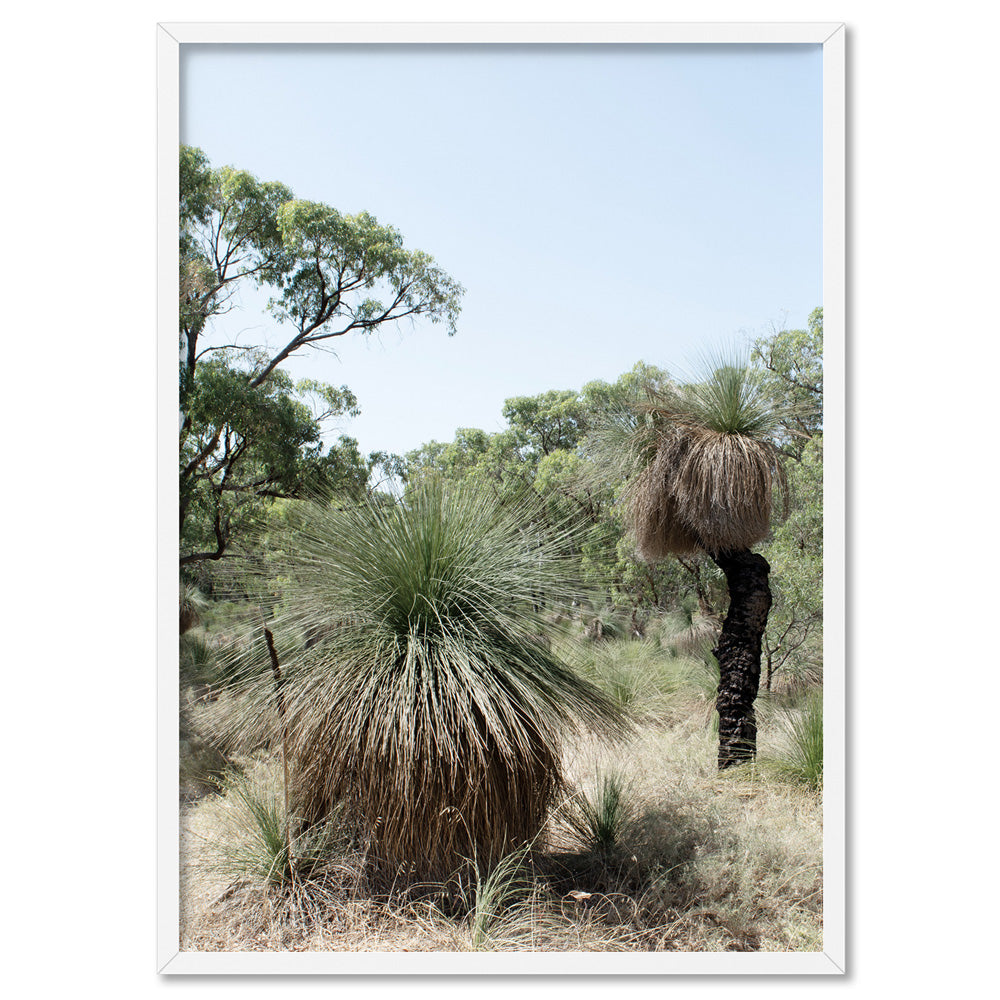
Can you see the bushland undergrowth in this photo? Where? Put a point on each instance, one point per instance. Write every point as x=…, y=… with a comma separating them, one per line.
x=650, y=848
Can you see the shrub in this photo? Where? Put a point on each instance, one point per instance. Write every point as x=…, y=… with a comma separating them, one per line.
x=500, y=898
x=257, y=847
x=430, y=710
x=197, y=660
x=598, y=818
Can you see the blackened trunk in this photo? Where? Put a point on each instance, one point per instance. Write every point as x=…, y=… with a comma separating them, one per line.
x=738, y=653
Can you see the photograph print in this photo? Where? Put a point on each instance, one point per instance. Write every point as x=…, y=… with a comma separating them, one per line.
x=500, y=573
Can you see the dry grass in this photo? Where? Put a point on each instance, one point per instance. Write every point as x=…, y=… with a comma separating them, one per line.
x=718, y=862
x=724, y=488
x=653, y=509
x=703, y=490
x=705, y=863
x=707, y=468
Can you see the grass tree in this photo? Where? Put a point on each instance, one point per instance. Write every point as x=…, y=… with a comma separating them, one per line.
x=708, y=475
x=425, y=702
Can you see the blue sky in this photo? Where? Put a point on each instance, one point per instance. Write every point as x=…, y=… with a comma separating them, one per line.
x=601, y=204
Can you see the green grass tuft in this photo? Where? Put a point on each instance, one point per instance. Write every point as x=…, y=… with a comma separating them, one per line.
x=500, y=897
x=255, y=849
x=797, y=751
x=197, y=660
x=598, y=818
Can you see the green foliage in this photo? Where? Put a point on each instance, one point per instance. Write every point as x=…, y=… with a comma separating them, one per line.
x=581, y=453
x=599, y=817
x=192, y=605
x=264, y=855
x=549, y=422
x=791, y=364
x=326, y=268
x=548, y=448
x=499, y=894
x=244, y=444
x=195, y=188
x=228, y=235
x=255, y=849
x=490, y=461
x=701, y=678
x=431, y=703
x=793, y=641
x=624, y=671
x=637, y=674
x=731, y=400
x=350, y=258
x=796, y=753
x=247, y=434
x=197, y=660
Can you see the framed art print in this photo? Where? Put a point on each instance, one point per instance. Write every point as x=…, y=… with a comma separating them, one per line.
x=505, y=367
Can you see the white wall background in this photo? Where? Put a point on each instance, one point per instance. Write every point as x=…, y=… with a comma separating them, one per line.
x=78, y=647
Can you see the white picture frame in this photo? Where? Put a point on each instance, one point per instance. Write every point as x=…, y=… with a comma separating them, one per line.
x=833, y=959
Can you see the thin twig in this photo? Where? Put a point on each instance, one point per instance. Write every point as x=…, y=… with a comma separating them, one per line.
x=280, y=698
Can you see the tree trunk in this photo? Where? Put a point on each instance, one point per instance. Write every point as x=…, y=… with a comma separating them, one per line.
x=738, y=653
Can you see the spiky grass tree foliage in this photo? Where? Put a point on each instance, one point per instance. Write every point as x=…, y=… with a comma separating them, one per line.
x=192, y=602
x=707, y=479
x=425, y=704
x=798, y=751
x=598, y=818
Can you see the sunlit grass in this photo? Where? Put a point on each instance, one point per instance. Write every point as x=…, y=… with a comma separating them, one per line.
x=704, y=863
x=257, y=846
x=598, y=815
x=795, y=752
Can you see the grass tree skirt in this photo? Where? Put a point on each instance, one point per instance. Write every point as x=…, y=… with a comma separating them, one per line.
x=738, y=653
x=431, y=810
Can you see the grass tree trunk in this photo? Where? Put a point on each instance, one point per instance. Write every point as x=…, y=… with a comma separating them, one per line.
x=738, y=653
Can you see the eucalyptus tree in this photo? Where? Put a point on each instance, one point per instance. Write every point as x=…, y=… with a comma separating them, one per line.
x=549, y=448
x=246, y=446
x=791, y=364
x=246, y=432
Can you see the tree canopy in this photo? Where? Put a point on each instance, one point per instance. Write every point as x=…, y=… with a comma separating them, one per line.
x=791, y=363
x=573, y=449
x=248, y=432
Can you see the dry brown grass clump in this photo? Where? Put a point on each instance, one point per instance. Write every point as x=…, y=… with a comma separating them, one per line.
x=427, y=810
x=710, y=470
x=703, y=490
x=704, y=863
x=654, y=512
